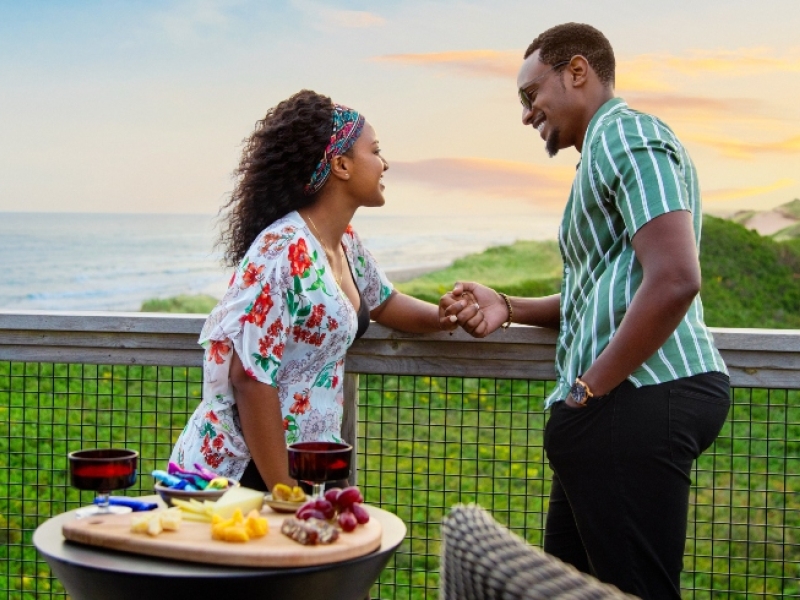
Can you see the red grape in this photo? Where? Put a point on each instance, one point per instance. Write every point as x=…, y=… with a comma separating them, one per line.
x=331, y=495
x=360, y=513
x=347, y=521
x=309, y=510
x=348, y=496
x=325, y=507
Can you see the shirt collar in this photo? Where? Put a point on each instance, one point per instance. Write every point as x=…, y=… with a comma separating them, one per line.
x=612, y=106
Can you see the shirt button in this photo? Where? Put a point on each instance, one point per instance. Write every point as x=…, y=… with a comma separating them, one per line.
x=566, y=270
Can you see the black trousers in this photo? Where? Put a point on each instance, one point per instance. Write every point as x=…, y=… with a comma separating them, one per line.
x=620, y=495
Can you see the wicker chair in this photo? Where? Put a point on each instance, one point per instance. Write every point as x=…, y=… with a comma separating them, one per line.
x=481, y=559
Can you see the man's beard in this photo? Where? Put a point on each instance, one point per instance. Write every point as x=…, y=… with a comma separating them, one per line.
x=551, y=145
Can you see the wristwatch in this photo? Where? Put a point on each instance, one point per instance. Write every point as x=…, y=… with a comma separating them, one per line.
x=580, y=392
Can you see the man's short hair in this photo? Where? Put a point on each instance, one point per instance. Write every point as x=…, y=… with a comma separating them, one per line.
x=562, y=42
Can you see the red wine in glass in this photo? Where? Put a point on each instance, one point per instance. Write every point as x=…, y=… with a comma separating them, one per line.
x=102, y=471
x=318, y=462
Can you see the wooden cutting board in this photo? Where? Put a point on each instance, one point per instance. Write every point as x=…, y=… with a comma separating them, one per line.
x=193, y=542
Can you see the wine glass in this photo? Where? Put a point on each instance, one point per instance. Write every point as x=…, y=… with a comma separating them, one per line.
x=102, y=471
x=318, y=462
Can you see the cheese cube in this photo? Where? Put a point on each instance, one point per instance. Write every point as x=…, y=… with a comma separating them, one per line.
x=154, y=525
x=139, y=523
x=242, y=498
x=171, y=519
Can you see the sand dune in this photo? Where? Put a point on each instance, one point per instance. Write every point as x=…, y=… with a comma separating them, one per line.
x=769, y=222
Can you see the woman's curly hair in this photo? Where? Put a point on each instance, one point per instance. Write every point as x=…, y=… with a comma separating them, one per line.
x=278, y=160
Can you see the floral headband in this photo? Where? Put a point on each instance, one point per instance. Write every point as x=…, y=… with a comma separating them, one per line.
x=347, y=126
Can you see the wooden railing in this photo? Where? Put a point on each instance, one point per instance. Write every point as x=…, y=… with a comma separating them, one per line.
x=764, y=358
x=756, y=358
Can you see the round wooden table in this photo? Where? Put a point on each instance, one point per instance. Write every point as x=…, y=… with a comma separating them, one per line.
x=93, y=573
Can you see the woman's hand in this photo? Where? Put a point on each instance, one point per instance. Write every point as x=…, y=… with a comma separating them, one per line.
x=478, y=309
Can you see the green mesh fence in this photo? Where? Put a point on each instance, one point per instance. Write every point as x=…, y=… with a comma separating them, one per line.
x=425, y=443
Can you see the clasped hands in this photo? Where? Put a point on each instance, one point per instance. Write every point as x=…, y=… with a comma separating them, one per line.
x=477, y=309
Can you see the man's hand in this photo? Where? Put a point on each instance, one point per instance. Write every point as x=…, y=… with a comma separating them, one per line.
x=479, y=310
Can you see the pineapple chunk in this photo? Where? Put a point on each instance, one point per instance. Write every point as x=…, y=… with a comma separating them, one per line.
x=281, y=491
x=256, y=525
x=298, y=495
x=236, y=533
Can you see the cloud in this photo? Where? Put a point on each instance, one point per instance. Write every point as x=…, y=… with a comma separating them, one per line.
x=332, y=19
x=642, y=73
x=723, y=194
x=472, y=63
x=545, y=185
x=738, y=63
x=656, y=103
x=739, y=149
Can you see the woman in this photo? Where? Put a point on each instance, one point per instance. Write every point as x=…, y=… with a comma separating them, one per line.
x=304, y=289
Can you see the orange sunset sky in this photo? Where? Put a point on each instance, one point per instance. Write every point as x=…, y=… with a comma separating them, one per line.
x=142, y=106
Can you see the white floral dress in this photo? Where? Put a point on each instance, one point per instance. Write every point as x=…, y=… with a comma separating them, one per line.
x=291, y=325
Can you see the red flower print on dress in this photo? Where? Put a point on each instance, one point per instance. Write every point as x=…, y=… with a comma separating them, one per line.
x=212, y=416
x=300, y=334
x=258, y=313
x=233, y=278
x=267, y=241
x=301, y=403
x=333, y=324
x=298, y=255
x=286, y=424
x=213, y=459
x=250, y=373
x=334, y=381
x=264, y=345
x=316, y=339
x=349, y=230
x=277, y=351
x=218, y=350
x=251, y=274
x=275, y=328
x=315, y=320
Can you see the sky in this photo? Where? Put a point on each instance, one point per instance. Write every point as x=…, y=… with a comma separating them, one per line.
x=141, y=107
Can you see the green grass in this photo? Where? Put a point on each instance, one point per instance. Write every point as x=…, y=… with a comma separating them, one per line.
x=521, y=269
x=749, y=280
x=184, y=303
x=425, y=443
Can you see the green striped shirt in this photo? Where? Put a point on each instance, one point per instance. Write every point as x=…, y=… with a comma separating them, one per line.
x=632, y=169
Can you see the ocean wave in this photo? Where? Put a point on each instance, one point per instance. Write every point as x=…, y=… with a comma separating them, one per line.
x=115, y=262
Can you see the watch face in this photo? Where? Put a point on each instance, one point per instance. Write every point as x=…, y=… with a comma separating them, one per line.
x=578, y=393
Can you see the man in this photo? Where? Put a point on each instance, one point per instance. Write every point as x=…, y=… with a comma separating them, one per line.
x=641, y=390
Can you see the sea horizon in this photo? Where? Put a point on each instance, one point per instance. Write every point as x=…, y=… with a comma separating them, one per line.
x=79, y=261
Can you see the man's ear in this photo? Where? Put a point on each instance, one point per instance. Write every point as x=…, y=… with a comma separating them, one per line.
x=578, y=70
x=341, y=166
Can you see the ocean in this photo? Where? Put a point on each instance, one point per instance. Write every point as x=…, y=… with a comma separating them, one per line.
x=113, y=262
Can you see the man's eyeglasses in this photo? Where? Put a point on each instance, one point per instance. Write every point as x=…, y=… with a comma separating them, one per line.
x=527, y=98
